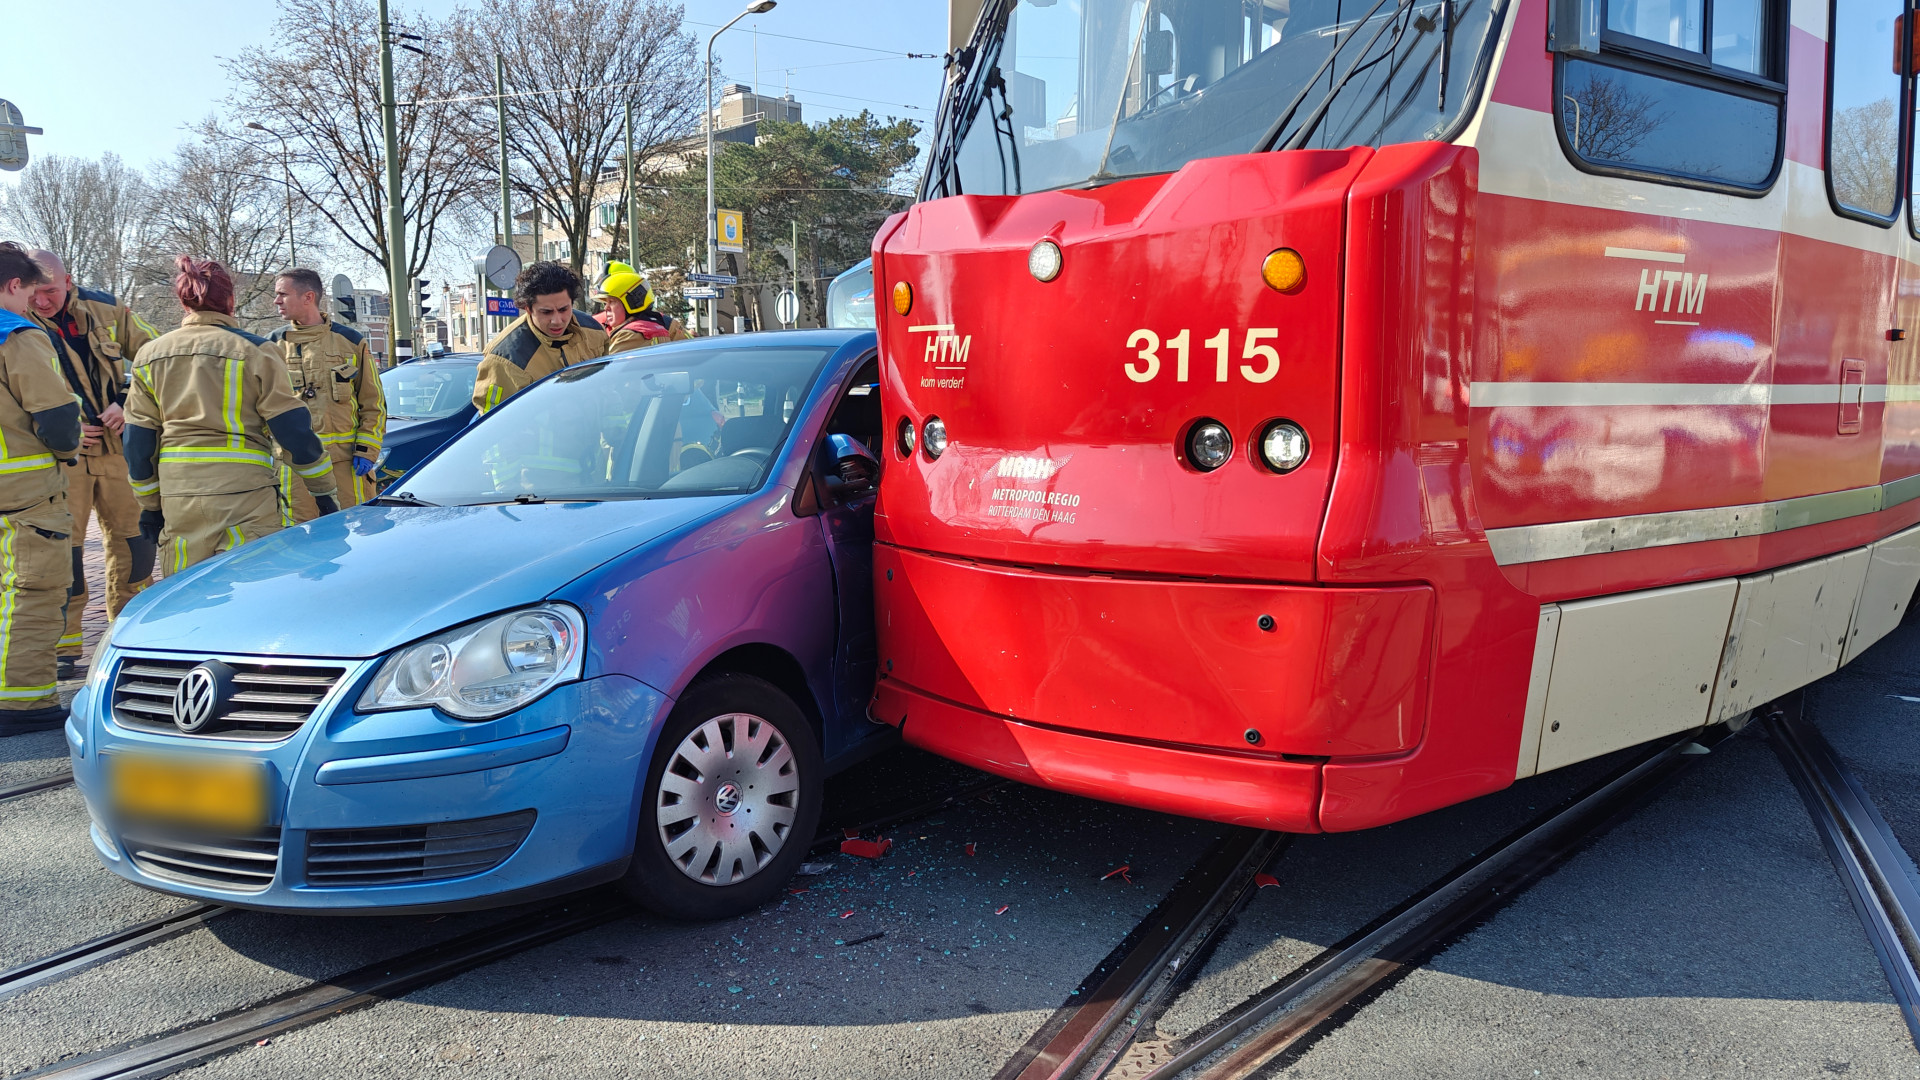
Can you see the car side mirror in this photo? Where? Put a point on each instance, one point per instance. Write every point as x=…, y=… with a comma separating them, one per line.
x=850, y=471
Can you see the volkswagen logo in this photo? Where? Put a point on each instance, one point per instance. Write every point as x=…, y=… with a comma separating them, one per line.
x=727, y=799
x=197, y=700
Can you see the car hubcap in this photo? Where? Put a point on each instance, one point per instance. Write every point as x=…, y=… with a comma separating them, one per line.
x=728, y=799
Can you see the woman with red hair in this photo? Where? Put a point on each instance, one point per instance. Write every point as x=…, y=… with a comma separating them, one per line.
x=206, y=402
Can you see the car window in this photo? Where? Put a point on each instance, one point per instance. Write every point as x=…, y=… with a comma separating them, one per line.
x=427, y=391
x=669, y=422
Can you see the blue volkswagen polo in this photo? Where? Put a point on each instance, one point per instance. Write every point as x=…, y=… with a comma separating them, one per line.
x=620, y=629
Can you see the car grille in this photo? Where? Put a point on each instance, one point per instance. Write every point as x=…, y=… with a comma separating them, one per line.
x=269, y=703
x=412, y=853
x=237, y=863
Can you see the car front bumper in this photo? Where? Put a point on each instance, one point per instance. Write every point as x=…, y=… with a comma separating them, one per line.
x=392, y=783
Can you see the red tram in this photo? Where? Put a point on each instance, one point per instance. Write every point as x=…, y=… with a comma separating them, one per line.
x=1311, y=413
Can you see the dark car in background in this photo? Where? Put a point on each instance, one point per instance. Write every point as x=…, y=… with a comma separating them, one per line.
x=429, y=400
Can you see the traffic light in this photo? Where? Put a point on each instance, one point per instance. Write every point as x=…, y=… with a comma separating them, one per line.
x=343, y=309
x=422, y=294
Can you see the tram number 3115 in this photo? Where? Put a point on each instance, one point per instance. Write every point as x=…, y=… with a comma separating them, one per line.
x=1145, y=366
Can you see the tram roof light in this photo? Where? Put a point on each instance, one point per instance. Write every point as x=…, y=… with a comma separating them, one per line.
x=1284, y=270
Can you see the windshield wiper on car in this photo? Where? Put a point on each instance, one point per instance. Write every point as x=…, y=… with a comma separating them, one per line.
x=399, y=498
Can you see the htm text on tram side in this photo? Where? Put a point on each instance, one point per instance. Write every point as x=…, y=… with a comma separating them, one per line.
x=1310, y=414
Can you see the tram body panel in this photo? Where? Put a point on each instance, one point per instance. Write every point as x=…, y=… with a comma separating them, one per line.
x=1575, y=408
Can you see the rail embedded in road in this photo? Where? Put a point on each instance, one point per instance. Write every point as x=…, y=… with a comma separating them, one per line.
x=1870, y=861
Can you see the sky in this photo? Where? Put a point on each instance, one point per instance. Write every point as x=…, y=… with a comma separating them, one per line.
x=172, y=77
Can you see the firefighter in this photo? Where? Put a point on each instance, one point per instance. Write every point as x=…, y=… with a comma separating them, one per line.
x=632, y=317
x=548, y=335
x=39, y=426
x=206, y=403
x=340, y=385
x=94, y=335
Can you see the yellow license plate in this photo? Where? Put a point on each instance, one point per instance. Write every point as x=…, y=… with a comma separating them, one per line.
x=213, y=792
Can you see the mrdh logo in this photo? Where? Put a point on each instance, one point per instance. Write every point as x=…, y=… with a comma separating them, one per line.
x=946, y=355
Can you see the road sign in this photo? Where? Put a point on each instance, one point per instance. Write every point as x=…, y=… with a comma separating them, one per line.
x=786, y=307
x=502, y=265
x=731, y=229
x=13, y=137
x=701, y=292
x=500, y=305
x=715, y=279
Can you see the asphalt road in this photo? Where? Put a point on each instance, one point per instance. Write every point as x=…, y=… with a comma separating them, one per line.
x=1704, y=936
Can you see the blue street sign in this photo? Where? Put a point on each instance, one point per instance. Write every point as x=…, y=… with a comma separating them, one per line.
x=701, y=294
x=501, y=305
x=715, y=279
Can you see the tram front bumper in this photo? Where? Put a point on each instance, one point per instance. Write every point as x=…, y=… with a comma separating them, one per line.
x=1217, y=700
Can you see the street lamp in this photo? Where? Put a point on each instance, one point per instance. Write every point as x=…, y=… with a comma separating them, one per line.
x=286, y=174
x=713, y=238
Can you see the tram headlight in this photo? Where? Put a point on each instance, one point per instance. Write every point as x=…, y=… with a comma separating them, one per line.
x=1209, y=445
x=1283, y=446
x=906, y=436
x=934, y=437
x=1043, y=261
x=485, y=668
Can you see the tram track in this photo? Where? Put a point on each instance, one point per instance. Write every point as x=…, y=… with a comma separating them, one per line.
x=1128, y=993
x=1872, y=865
x=42, y=783
x=89, y=954
x=191, y=1044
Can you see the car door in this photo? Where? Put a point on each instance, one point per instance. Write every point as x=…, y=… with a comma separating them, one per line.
x=846, y=518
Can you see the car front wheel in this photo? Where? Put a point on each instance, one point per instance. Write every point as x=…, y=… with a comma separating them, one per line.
x=731, y=802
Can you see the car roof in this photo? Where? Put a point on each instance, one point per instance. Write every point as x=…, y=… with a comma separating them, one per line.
x=443, y=358
x=832, y=338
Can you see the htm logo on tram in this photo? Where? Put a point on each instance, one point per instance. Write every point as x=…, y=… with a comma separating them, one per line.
x=943, y=345
x=1663, y=291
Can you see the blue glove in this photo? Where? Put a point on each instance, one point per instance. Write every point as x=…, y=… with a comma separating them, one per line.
x=363, y=466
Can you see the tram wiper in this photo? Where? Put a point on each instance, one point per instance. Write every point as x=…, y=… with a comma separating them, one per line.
x=1293, y=107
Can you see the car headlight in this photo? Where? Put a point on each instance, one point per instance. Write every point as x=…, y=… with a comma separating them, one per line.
x=483, y=669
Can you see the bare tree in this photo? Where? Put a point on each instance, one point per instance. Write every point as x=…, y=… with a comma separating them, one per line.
x=90, y=213
x=1865, y=156
x=223, y=198
x=571, y=68
x=318, y=85
x=1606, y=120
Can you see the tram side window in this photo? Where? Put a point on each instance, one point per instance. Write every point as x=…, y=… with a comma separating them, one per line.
x=1863, y=129
x=1683, y=90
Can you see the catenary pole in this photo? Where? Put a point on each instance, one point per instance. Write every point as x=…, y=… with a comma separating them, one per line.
x=506, y=191
x=400, y=317
x=707, y=118
x=633, y=198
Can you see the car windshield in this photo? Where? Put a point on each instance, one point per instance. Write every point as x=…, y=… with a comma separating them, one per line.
x=1059, y=94
x=427, y=391
x=850, y=297
x=654, y=424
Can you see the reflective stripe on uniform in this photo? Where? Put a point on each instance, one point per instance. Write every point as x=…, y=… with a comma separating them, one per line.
x=70, y=639
x=179, y=555
x=145, y=326
x=235, y=537
x=494, y=397
x=236, y=434
x=146, y=487
x=25, y=464
x=10, y=606
x=315, y=470
x=215, y=455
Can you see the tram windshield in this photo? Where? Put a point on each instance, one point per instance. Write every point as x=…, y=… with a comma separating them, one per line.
x=1064, y=92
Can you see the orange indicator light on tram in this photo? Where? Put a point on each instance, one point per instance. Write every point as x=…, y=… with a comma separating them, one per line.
x=1284, y=270
x=902, y=297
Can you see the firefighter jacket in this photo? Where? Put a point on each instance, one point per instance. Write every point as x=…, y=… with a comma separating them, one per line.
x=340, y=385
x=639, y=331
x=210, y=390
x=96, y=337
x=522, y=353
x=29, y=383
